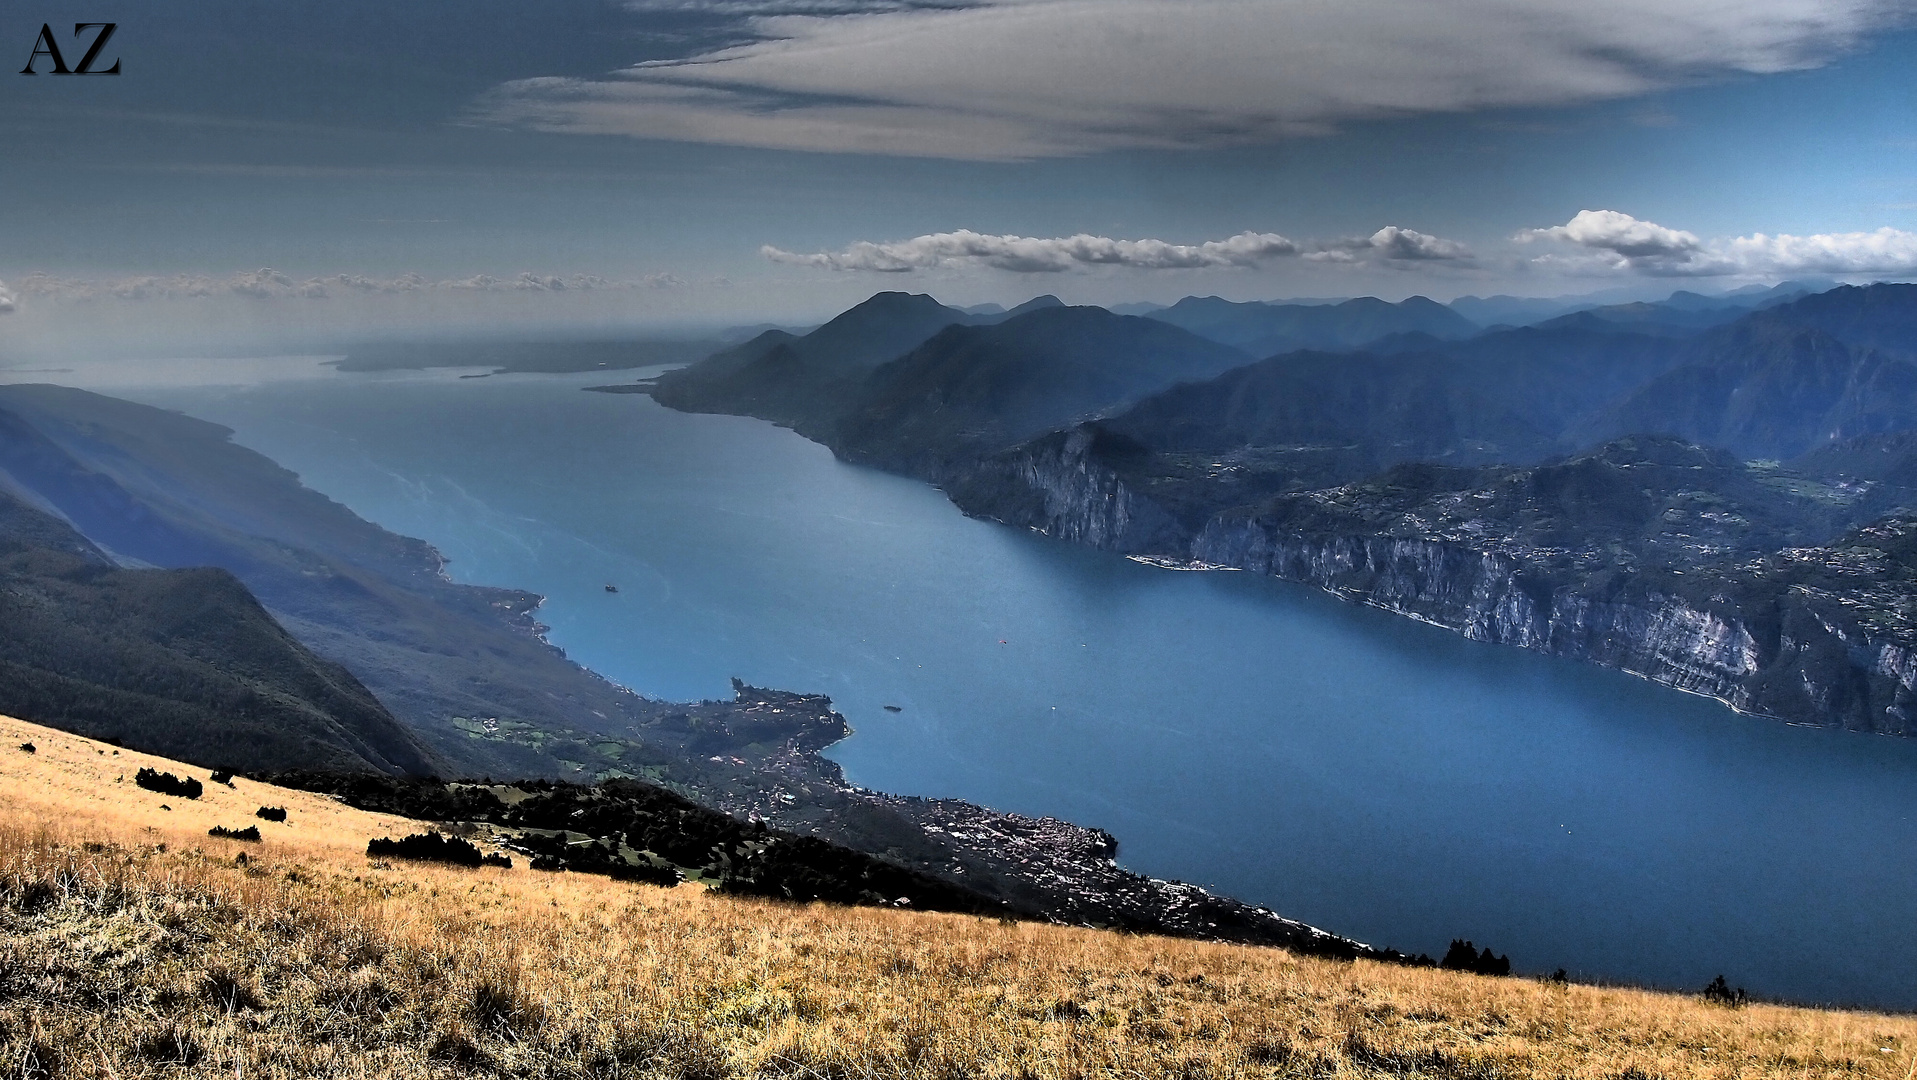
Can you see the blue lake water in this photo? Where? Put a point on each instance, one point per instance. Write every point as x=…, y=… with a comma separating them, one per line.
x=1376, y=777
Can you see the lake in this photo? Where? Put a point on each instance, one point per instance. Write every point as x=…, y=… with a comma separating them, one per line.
x=1382, y=779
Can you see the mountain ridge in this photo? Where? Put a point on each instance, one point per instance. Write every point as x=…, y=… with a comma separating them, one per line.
x=1180, y=475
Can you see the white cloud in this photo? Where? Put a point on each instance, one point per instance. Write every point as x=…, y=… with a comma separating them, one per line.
x=1032, y=255
x=269, y=284
x=1008, y=79
x=1620, y=234
x=1884, y=251
x=1390, y=245
x=1610, y=241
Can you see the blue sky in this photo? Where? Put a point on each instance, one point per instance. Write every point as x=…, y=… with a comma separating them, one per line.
x=602, y=165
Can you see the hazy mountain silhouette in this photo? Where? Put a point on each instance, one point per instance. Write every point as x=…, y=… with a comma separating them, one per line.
x=976, y=388
x=184, y=663
x=1263, y=329
x=1782, y=382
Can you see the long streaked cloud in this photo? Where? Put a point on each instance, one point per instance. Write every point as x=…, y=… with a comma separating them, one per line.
x=1010, y=79
x=1612, y=241
x=1033, y=255
x=269, y=284
x=1050, y=255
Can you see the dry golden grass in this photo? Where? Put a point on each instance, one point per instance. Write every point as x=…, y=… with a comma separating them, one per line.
x=120, y=959
x=79, y=780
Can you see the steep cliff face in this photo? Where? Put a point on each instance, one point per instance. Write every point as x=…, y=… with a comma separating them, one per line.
x=1784, y=652
x=1487, y=596
x=1060, y=486
x=1768, y=638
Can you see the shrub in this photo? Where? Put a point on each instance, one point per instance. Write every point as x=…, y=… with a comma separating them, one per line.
x=1720, y=992
x=167, y=784
x=223, y=776
x=271, y=813
x=1464, y=956
x=29, y=748
x=251, y=832
x=427, y=847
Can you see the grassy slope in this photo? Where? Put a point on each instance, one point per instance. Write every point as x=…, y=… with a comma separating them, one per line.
x=131, y=944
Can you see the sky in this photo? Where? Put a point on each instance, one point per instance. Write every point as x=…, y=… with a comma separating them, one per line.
x=301, y=173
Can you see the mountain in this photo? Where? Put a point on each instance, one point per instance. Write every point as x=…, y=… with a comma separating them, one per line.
x=1676, y=562
x=788, y=379
x=972, y=389
x=1505, y=310
x=1442, y=478
x=795, y=380
x=1303, y=420
x=1406, y=407
x=1644, y=318
x=177, y=662
x=1263, y=329
x=1882, y=316
x=1781, y=382
x=1684, y=313
x=1531, y=311
x=1036, y=303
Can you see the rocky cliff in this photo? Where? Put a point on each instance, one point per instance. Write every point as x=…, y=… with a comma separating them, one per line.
x=1651, y=556
x=1061, y=485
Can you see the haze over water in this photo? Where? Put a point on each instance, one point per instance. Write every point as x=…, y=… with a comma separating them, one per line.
x=1376, y=777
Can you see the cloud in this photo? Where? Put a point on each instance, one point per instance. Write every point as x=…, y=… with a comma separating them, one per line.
x=1640, y=244
x=7, y=303
x=1393, y=246
x=1609, y=241
x=1013, y=79
x=1885, y=251
x=269, y=284
x=1032, y=255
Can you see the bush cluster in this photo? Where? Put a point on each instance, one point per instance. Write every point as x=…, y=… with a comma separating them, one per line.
x=167, y=784
x=1464, y=956
x=432, y=847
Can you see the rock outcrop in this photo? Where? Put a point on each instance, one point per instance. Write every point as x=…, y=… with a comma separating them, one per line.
x=1812, y=634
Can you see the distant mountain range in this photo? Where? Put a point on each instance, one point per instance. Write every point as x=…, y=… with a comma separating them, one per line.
x=1527, y=311
x=1264, y=329
x=1162, y=436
